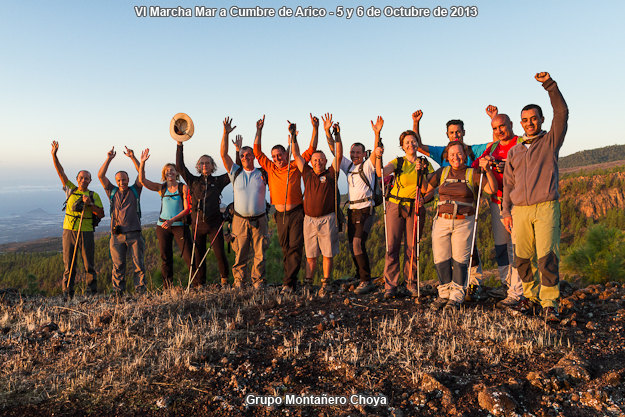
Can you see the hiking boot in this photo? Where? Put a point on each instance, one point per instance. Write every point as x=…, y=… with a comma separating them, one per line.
x=413, y=289
x=238, y=284
x=527, y=306
x=475, y=293
x=451, y=305
x=552, y=315
x=507, y=302
x=390, y=294
x=286, y=290
x=259, y=285
x=224, y=284
x=324, y=291
x=439, y=303
x=499, y=292
x=364, y=287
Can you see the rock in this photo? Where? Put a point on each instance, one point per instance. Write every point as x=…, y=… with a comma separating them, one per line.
x=572, y=368
x=591, y=325
x=346, y=301
x=497, y=401
x=429, y=384
x=574, y=397
x=567, y=304
x=163, y=402
x=613, y=378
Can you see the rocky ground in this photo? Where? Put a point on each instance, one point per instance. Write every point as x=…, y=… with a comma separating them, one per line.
x=204, y=353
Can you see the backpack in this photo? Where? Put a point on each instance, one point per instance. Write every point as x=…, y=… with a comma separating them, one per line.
x=95, y=220
x=133, y=188
x=186, y=219
x=376, y=190
x=468, y=181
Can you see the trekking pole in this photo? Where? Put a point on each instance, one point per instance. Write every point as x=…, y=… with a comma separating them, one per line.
x=415, y=230
x=384, y=206
x=197, y=216
x=71, y=268
x=477, y=211
x=288, y=174
x=204, y=257
x=419, y=184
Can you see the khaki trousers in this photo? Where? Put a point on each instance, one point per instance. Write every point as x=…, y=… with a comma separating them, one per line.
x=251, y=239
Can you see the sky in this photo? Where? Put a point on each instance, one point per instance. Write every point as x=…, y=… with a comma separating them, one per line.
x=93, y=75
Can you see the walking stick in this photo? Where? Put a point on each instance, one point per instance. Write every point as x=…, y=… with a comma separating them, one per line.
x=415, y=231
x=197, y=216
x=288, y=174
x=384, y=206
x=477, y=211
x=204, y=257
x=71, y=268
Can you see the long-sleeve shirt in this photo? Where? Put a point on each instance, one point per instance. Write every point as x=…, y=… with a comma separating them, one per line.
x=278, y=178
x=531, y=173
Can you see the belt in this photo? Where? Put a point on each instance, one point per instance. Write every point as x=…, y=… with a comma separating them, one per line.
x=250, y=218
x=451, y=216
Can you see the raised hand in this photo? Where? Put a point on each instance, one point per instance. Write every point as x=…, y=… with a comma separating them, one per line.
x=377, y=127
x=541, y=77
x=228, y=125
x=111, y=154
x=416, y=116
x=336, y=129
x=378, y=152
x=129, y=152
x=145, y=155
x=492, y=111
x=55, y=147
x=292, y=128
x=238, y=142
x=260, y=123
x=327, y=121
x=314, y=120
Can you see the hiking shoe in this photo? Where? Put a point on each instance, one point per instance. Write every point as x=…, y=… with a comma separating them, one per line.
x=507, y=302
x=259, y=285
x=224, y=283
x=475, y=293
x=324, y=291
x=286, y=290
x=451, y=305
x=413, y=289
x=439, y=303
x=364, y=287
x=238, y=284
x=390, y=294
x=527, y=306
x=499, y=292
x=552, y=315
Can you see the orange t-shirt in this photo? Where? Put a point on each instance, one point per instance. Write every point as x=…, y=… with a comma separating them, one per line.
x=278, y=177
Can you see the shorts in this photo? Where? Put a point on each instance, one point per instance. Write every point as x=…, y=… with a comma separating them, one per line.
x=321, y=236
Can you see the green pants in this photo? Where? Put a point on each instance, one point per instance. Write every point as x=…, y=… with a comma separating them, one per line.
x=536, y=231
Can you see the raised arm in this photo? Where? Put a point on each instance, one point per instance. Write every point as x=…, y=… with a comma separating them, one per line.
x=262, y=159
x=377, y=129
x=57, y=165
x=416, y=120
x=338, y=146
x=180, y=166
x=314, y=120
x=131, y=154
x=297, y=156
x=152, y=186
x=224, y=144
x=327, y=125
x=105, y=166
x=492, y=111
x=559, y=124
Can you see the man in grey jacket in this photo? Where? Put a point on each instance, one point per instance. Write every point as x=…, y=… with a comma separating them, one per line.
x=530, y=200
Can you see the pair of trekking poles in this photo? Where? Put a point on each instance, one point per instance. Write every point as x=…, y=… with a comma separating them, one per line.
x=416, y=234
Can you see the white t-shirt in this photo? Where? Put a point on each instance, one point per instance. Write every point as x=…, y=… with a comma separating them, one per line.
x=357, y=188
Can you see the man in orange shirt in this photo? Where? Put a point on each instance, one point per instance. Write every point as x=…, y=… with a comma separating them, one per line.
x=286, y=196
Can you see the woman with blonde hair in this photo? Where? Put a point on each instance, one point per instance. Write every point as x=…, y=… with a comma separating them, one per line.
x=171, y=223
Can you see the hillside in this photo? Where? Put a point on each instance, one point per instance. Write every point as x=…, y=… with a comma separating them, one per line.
x=593, y=156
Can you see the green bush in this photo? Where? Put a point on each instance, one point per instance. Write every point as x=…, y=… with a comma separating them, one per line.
x=600, y=256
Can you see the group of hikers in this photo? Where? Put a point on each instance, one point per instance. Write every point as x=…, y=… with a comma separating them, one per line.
x=518, y=173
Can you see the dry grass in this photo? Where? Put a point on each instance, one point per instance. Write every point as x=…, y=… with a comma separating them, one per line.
x=104, y=348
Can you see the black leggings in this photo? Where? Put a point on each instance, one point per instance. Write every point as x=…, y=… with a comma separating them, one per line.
x=166, y=238
x=207, y=232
